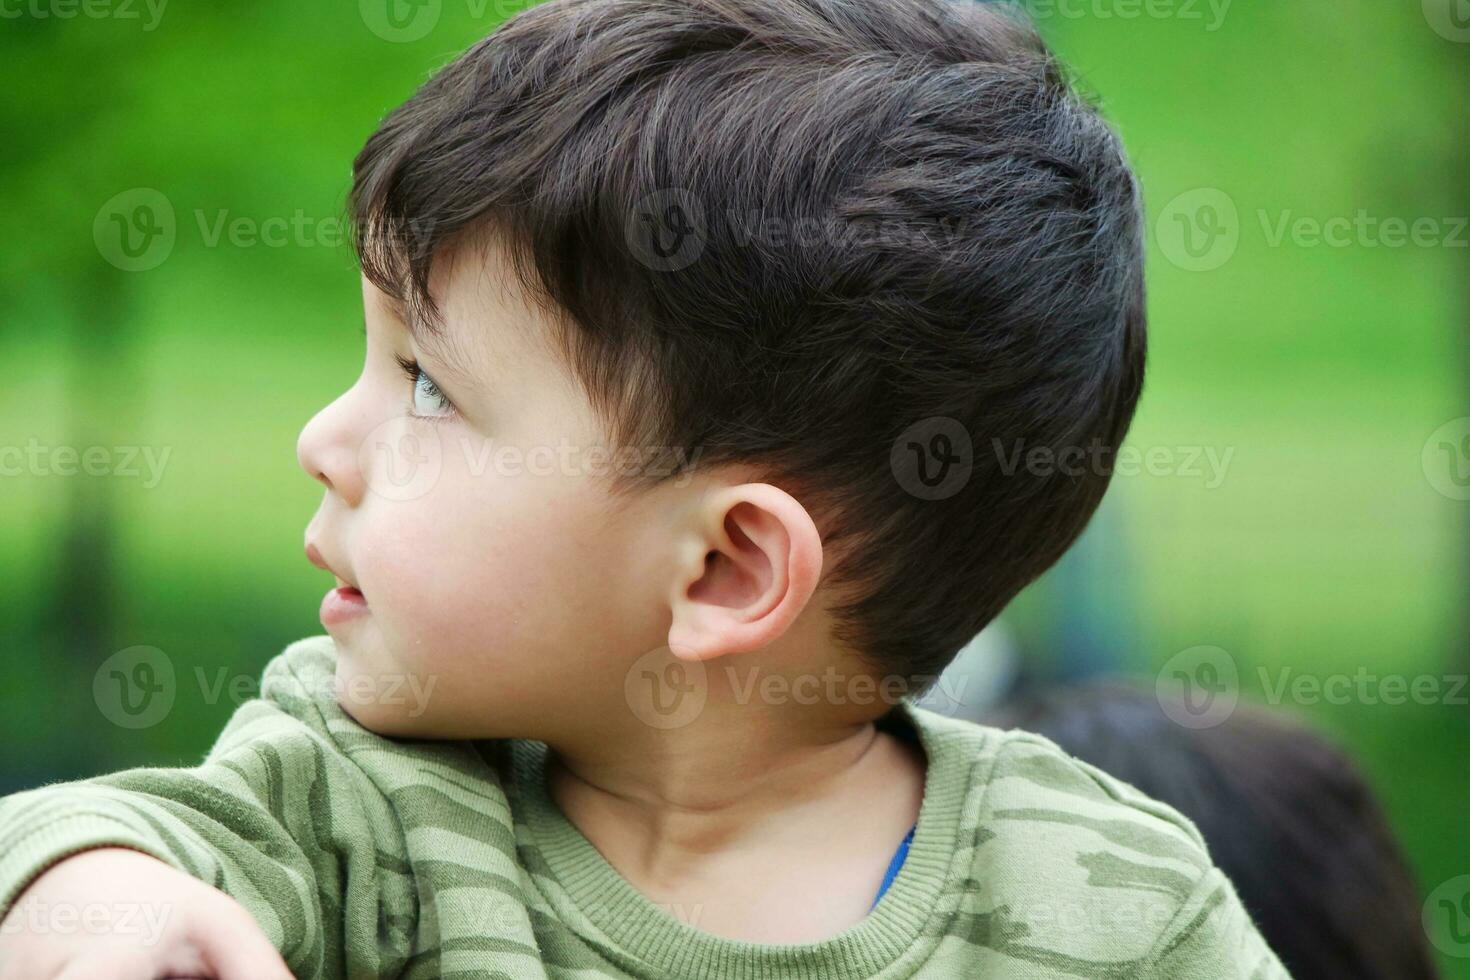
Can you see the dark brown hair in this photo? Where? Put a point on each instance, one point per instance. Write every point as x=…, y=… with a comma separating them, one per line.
x=809, y=236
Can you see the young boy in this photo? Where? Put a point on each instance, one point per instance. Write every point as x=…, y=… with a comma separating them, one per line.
x=709, y=347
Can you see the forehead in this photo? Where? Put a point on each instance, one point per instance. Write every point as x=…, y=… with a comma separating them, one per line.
x=487, y=322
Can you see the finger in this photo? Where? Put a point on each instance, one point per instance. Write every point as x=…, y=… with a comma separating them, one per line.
x=26, y=965
x=115, y=965
x=237, y=949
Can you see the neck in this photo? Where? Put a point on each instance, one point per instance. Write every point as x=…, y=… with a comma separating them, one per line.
x=737, y=781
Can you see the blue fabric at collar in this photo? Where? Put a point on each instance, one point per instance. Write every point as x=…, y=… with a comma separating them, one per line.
x=894, y=865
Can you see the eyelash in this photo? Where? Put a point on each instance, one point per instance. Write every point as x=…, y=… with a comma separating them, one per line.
x=416, y=375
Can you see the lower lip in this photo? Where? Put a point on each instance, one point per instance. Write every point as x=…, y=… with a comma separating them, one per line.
x=340, y=605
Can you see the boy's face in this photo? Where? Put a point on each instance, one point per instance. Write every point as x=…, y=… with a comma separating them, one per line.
x=469, y=505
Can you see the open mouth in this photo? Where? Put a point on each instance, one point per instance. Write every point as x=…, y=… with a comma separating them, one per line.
x=348, y=589
x=342, y=604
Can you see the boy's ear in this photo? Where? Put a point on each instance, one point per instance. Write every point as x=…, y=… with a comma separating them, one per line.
x=749, y=561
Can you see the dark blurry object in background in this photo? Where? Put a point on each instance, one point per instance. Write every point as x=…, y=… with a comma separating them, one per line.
x=1285, y=814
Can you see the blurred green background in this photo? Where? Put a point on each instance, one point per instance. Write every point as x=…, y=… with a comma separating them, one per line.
x=1333, y=541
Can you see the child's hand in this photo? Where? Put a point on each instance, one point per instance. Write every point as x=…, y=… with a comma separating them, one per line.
x=120, y=914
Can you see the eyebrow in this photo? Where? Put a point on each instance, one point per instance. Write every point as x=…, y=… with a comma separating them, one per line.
x=435, y=344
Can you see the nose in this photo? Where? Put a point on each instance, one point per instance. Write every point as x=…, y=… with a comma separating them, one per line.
x=314, y=555
x=327, y=449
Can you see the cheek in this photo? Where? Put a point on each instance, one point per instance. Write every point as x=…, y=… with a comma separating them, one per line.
x=489, y=568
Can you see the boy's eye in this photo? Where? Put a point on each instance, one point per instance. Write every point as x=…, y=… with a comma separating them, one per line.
x=428, y=400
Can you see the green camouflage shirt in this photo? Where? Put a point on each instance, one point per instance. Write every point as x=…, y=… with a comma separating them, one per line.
x=364, y=856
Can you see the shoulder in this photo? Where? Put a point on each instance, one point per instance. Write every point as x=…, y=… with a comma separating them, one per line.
x=299, y=705
x=292, y=700
x=292, y=697
x=1034, y=789
x=1074, y=871
x=302, y=681
x=305, y=668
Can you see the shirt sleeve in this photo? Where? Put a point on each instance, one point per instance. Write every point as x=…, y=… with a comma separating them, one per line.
x=277, y=816
x=1212, y=937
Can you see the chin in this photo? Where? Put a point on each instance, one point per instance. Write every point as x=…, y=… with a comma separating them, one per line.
x=382, y=697
x=383, y=719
